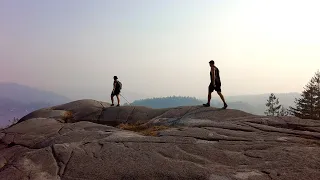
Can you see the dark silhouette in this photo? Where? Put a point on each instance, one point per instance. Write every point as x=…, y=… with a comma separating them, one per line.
x=167, y=102
x=215, y=84
x=116, y=90
x=308, y=105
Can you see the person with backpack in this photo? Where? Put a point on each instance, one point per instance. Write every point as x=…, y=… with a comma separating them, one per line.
x=215, y=84
x=117, y=86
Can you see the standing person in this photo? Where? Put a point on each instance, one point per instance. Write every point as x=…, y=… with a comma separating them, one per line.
x=215, y=84
x=116, y=90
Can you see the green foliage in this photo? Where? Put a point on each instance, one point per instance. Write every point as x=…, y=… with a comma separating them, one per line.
x=273, y=106
x=308, y=105
x=166, y=102
x=283, y=111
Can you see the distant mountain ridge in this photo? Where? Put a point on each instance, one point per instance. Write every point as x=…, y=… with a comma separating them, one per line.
x=166, y=102
x=254, y=104
x=285, y=98
x=17, y=100
x=26, y=94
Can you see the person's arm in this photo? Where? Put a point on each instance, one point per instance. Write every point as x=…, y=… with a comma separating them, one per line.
x=213, y=76
x=114, y=86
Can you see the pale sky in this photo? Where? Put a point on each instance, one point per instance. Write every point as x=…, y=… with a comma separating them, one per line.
x=159, y=48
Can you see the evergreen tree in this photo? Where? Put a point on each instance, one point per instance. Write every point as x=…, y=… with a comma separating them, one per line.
x=273, y=107
x=283, y=111
x=308, y=106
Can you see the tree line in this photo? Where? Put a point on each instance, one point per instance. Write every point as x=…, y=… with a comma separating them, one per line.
x=306, y=107
x=166, y=102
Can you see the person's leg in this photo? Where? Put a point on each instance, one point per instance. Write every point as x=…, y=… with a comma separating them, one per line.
x=210, y=90
x=209, y=97
x=218, y=89
x=222, y=98
x=118, y=100
x=112, y=99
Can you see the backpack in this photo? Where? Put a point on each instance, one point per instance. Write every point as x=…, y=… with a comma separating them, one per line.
x=119, y=85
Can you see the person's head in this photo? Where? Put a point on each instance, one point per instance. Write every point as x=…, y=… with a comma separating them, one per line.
x=211, y=63
x=115, y=78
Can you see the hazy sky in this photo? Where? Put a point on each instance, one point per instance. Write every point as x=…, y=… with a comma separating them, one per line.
x=159, y=48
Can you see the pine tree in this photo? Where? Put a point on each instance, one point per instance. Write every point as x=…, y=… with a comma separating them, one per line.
x=283, y=111
x=308, y=106
x=317, y=99
x=273, y=106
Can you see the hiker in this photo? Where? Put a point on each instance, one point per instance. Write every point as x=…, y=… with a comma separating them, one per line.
x=116, y=90
x=215, y=84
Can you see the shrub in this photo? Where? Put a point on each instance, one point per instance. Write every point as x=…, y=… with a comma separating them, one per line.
x=68, y=116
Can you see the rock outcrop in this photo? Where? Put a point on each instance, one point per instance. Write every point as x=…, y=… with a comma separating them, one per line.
x=84, y=140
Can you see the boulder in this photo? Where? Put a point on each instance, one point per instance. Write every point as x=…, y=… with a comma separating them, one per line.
x=197, y=143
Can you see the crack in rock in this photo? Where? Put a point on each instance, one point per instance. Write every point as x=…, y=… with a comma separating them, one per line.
x=94, y=153
x=267, y=173
x=130, y=114
x=101, y=104
x=12, y=144
x=64, y=169
x=60, y=130
x=193, y=155
x=101, y=113
x=180, y=160
x=189, y=111
x=305, y=134
x=251, y=156
x=229, y=128
x=214, y=138
x=58, y=163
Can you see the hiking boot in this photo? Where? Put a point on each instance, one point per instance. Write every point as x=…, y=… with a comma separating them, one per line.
x=112, y=105
x=206, y=105
x=118, y=105
x=225, y=106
